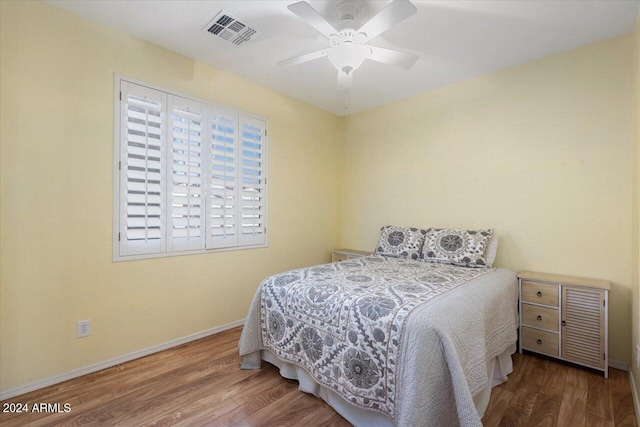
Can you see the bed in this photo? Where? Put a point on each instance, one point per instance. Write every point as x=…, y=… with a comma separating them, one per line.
x=387, y=339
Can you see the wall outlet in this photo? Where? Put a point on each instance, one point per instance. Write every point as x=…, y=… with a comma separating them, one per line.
x=638, y=356
x=83, y=329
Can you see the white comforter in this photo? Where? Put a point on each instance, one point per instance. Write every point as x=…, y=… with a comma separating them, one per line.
x=446, y=323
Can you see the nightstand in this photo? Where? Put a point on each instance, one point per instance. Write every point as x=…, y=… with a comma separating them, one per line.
x=342, y=254
x=565, y=317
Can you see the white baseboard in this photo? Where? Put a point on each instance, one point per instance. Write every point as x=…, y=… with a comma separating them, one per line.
x=115, y=361
x=618, y=365
x=636, y=397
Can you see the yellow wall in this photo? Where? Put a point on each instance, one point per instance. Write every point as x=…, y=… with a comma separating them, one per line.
x=635, y=318
x=541, y=152
x=56, y=192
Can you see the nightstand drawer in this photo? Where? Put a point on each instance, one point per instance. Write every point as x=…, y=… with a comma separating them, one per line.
x=540, y=293
x=540, y=341
x=540, y=317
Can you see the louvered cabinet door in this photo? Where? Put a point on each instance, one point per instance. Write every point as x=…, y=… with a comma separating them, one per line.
x=583, y=326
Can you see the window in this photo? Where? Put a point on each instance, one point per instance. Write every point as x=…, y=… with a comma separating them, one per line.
x=190, y=175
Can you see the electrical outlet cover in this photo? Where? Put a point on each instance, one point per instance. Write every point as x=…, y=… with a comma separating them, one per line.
x=83, y=328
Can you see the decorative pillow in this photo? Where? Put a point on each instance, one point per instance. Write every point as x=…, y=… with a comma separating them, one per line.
x=401, y=242
x=467, y=248
x=492, y=250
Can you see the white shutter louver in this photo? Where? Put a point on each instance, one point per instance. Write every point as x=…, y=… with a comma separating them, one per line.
x=252, y=181
x=223, y=173
x=186, y=207
x=142, y=199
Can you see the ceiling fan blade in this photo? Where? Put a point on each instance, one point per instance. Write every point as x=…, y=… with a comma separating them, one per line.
x=393, y=13
x=345, y=80
x=295, y=60
x=393, y=57
x=313, y=18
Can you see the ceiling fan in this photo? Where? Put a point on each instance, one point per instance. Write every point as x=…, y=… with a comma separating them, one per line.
x=348, y=46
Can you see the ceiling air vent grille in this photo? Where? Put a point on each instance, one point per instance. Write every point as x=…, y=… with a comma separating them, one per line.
x=228, y=28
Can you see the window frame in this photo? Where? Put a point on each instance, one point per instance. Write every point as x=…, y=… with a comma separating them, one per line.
x=117, y=175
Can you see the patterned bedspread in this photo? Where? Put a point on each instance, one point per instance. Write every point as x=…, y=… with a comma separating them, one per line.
x=344, y=322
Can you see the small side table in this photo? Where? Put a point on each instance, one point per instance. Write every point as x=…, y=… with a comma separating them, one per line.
x=343, y=254
x=565, y=317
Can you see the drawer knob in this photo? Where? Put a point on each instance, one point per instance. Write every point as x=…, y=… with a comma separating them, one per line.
x=539, y=293
x=564, y=323
x=539, y=317
x=539, y=342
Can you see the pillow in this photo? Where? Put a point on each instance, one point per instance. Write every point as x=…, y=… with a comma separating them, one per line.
x=467, y=248
x=401, y=242
x=492, y=250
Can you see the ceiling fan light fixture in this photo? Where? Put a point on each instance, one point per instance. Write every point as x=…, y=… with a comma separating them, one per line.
x=348, y=57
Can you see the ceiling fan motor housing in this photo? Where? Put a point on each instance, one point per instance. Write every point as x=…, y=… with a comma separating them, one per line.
x=347, y=35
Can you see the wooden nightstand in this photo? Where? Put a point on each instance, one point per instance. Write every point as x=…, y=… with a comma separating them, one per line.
x=565, y=317
x=342, y=254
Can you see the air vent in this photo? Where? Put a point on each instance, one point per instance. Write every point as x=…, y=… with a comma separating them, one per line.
x=227, y=27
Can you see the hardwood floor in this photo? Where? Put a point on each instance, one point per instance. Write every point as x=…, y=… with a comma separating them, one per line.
x=545, y=392
x=200, y=383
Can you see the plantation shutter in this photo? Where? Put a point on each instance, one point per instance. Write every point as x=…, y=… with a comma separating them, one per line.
x=185, y=175
x=142, y=198
x=223, y=174
x=252, y=181
x=189, y=175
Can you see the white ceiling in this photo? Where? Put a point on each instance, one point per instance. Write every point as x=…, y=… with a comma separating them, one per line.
x=456, y=40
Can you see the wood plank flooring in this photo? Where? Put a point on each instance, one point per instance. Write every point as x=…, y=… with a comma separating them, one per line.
x=546, y=392
x=200, y=383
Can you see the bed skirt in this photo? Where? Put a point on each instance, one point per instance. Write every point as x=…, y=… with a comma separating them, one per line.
x=498, y=368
